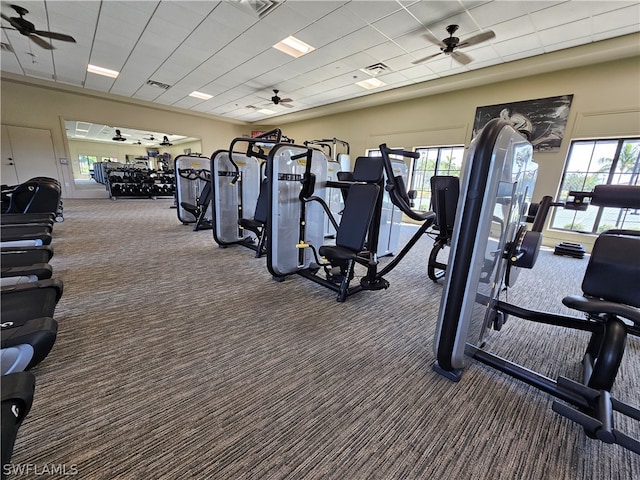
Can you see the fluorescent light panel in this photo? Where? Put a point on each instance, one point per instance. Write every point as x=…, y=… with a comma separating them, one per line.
x=105, y=72
x=294, y=47
x=200, y=95
x=266, y=111
x=371, y=83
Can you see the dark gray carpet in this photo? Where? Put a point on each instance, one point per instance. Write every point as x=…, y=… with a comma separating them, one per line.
x=177, y=359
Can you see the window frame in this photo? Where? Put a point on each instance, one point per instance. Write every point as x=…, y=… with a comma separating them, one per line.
x=589, y=180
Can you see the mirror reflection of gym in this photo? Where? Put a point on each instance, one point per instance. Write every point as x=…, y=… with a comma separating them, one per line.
x=91, y=143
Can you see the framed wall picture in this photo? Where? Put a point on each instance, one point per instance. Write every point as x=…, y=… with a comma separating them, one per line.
x=544, y=118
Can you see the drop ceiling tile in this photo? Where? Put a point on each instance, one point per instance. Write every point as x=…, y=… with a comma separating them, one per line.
x=491, y=13
x=615, y=33
x=436, y=12
x=384, y=51
x=561, y=34
x=355, y=42
x=515, y=45
x=517, y=55
x=615, y=19
x=372, y=11
x=560, y=14
x=397, y=24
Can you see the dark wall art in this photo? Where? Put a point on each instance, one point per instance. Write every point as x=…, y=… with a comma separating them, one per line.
x=544, y=119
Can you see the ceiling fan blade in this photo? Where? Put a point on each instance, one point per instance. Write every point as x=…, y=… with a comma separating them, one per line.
x=39, y=41
x=424, y=59
x=285, y=100
x=286, y=105
x=56, y=36
x=5, y=17
x=434, y=40
x=462, y=58
x=481, y=37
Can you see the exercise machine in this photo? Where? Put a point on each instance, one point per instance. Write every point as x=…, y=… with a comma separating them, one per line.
x=28, y=329
x=298, y=203
x=193, y=190
x=291, y=223
x=490, y=245
x=236, y=183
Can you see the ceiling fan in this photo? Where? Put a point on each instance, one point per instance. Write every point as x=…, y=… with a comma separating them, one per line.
x=151, y=138
x=28, y=29
x=450, y=45
x=281, y=101
x=165, y=142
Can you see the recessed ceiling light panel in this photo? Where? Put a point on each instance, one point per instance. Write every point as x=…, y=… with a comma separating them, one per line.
x=200, y=95
x=105, y=72
x=371, y=83
x=294, y=47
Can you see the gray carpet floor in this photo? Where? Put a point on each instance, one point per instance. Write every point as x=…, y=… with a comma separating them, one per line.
x=177, y=359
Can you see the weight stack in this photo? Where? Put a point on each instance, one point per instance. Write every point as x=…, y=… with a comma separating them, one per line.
x=568, y=249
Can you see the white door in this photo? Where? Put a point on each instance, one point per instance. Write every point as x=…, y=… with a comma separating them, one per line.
x=8, y=175
x=32, y=153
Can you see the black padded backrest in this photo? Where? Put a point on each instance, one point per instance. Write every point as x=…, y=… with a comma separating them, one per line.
x=613, y=272
x=262, y=212
x=368, y=169
x=205, y=195
x=357, y=215
x=445, y=190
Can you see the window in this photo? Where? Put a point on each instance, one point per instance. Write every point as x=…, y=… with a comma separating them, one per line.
x=433, y=161
x=598, y=162
x=85, y=162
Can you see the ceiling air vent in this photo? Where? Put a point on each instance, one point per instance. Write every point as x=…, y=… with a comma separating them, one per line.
x=256, y=7
x=376, y=69
x=153, y=83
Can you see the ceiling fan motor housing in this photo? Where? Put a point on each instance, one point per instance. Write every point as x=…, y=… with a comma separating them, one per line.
x=451, y=43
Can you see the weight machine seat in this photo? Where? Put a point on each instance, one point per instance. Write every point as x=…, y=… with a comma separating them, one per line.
x=17, y=398
x=354, y=225
x=25, y=344
x=610, y=283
